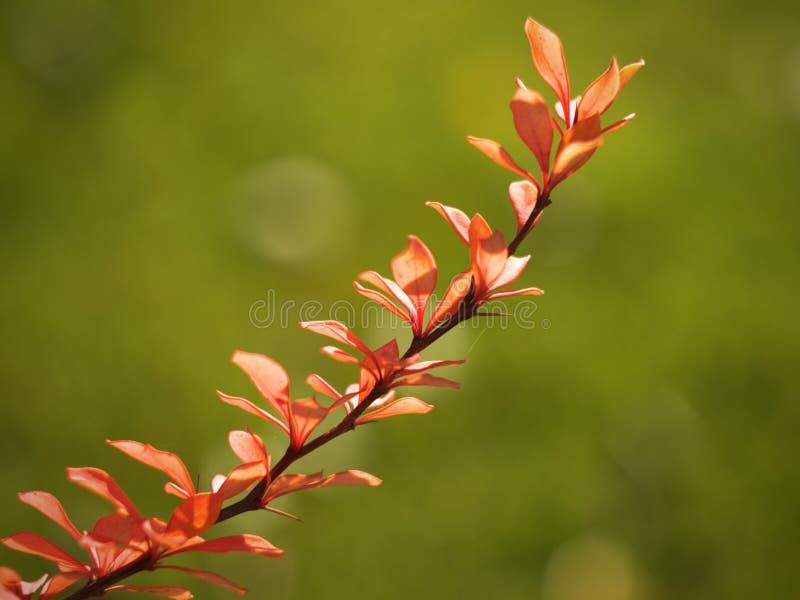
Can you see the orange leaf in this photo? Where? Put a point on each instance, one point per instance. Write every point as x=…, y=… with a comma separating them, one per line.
x=338, y=331
x=233, y=543
x=352, y=477
x=339, y=355
x=427, y=365
x=426, y=379
x=402, y=406
x=499, y=155
x=101, y=483
x=289, y=483
x=32, y=543
x=251, y=408
x=600, y=93
x=451, y=301
x=114, y=528
x=166, y=462
x=531, y=291
x=240, y=478
x=457, y=219
x=523, y=195
x=268, y=376
x=318, y=384
x=571, y=158
x=208, y=576
x=627, y=72
x=9, y=579
x=295, y=482
x=167, y=591
x=58, y=583
x=193, y=516
x=488, y=253
x=387, y=286
x=576, y=147
x=619, y=124
x=414, y=269
x=511, y=271
x=382, y=300
x=534, y=126
x=12, y=587
x=49, y=506
x=307, y=414
x=248, y=446
x=548, y=58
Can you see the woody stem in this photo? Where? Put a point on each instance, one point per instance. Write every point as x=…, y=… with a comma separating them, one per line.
x=541, y=204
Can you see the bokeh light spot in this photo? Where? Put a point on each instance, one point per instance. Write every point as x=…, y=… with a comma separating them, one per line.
x=295, y=209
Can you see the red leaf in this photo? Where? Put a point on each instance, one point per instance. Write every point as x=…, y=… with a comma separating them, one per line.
x=499, y=155
x=339, y=355
x=12, y=587
x=534, y=125
x=426, y=365
x=548, y=58
x=289, y=483
x=32, y=543
x=167, y=591
x=240, y=478
x=353, y=477
x=575, y=148
x=252, y=544
x=251, y=408
x=307, y=414
x=9, y=577
x=523, y=195
x=600, y=93
x=451, y=301
x=193, y=516
x=531, y=291
x=318, y=384
x=166, y=462
x=49, y=506
x=414, y=269
x=403, y=406
x=383, y=301
x=488, y=254
x=58, y=583
x=511, y=271
x=248, y=446
x=338, y=331
x=268, y=376
x=391, y=288
x=101, y=483
x=457, y=219
x=426, y=379
x=115, y=528
x=208, y=576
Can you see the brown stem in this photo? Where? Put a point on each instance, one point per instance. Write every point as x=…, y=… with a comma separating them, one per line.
x=541, y=204
x=99, y=585
x=253, y=499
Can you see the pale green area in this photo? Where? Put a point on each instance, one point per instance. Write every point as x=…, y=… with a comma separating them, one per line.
x=163, y=165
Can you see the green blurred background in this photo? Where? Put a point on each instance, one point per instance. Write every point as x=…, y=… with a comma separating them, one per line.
x=164, y=165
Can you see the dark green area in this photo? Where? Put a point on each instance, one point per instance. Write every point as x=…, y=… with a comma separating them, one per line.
x=164, y=165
